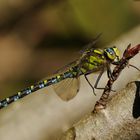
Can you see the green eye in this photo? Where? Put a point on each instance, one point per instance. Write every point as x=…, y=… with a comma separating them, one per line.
x=112, y=53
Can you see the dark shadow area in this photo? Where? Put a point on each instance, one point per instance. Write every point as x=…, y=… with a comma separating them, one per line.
x=73, y=41
x=136, y=105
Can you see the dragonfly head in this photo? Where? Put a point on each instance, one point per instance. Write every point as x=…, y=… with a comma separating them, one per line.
x=112, y=54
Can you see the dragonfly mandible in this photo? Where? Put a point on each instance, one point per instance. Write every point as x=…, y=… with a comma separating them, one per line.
x=66, y=82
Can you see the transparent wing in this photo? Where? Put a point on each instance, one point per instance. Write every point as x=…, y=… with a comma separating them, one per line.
x=66, y=67
x=91, y=45
x=67, y=89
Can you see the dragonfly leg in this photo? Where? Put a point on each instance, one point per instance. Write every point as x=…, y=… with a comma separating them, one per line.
x=99, y=77
x=109, y=73
x=110, y=76
x=96, y=83
x=133, y=67
x=90, y=84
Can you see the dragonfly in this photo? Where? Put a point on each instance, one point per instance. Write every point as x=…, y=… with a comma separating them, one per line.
x=66, y=82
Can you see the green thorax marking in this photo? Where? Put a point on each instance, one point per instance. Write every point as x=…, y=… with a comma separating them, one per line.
x=89, y=62
x=92, y=61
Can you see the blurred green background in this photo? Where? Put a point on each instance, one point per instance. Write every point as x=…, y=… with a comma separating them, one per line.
x=37, y=37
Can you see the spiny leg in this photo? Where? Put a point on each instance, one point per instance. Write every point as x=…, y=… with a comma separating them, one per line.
x=133, y=67
x=109, y=73
x=98, y=79
x=90, y=84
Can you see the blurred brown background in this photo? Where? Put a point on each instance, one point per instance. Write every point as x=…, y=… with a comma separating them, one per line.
x=37, y=37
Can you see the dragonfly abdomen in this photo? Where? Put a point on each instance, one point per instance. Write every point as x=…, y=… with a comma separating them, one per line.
x=37, y=86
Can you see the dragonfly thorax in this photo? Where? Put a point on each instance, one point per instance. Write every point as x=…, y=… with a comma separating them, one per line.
x=92, y=61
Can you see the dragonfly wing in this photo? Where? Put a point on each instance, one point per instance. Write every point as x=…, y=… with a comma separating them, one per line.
x=67, y=89
x=66, y=67
x=91, y=45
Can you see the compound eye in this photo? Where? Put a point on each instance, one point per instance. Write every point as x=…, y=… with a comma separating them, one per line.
x=110, y=51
